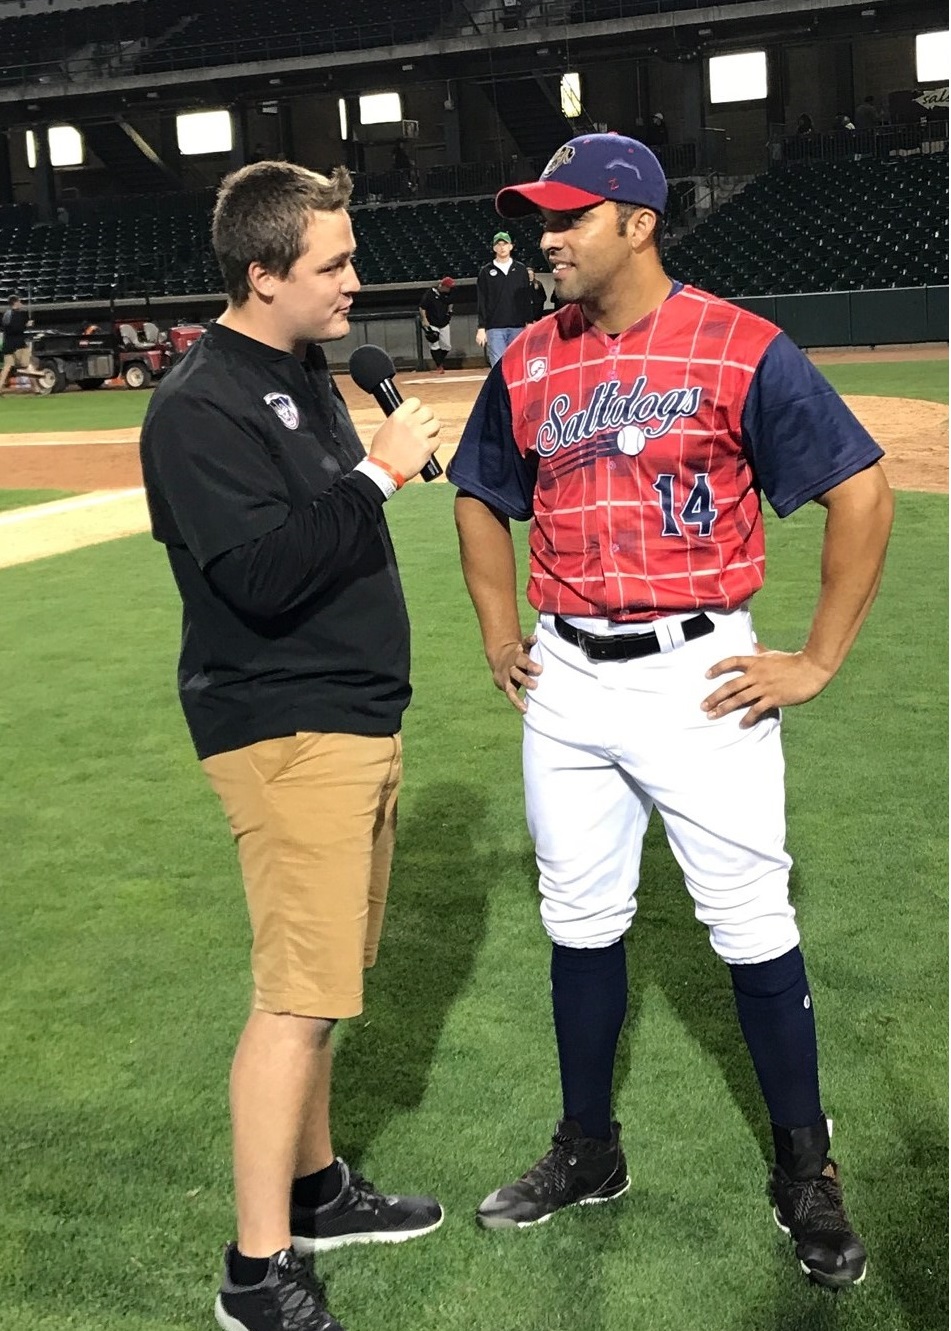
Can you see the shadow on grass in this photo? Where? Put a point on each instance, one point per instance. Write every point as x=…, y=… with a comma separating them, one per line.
x=435, y=926
x=911, y=1251
x=670, y=950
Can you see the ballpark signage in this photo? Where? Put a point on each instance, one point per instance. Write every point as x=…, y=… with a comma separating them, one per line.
x=935, y=99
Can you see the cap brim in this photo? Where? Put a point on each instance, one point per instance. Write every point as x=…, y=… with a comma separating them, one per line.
x=520, y=200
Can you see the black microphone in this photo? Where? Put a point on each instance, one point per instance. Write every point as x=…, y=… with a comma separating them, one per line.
x=372, y=370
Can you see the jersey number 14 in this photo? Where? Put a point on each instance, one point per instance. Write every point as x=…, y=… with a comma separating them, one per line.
x=697, y=510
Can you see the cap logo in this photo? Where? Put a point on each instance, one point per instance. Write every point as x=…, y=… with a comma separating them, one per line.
x=285, y=408
x=561, y=158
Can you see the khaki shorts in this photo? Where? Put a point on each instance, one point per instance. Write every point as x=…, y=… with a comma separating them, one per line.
x=314, y=818
x=21, y=359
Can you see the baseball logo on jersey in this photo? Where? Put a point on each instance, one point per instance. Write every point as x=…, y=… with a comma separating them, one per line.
x=537, y=368
x=635, y=417
x=284, y=406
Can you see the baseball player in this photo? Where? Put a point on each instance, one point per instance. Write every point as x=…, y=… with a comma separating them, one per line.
x=435, y=314
x=637, y=427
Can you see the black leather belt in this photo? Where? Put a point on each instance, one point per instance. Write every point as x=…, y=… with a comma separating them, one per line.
x=626, y=646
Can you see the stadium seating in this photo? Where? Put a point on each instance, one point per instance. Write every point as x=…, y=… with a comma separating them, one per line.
x=150, y=35
x=824, y=227
x=809, y=227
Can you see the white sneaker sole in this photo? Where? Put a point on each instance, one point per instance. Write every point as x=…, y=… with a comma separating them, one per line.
x=490, y=1222
x=818, y=1277
x=306, y=1247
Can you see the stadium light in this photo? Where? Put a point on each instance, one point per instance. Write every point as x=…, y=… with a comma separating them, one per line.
x=380, y=108
x=738, y=78
x=931, y=57
x=65, y=144
x=344, y=123
x=204, y=132
x=571, y=96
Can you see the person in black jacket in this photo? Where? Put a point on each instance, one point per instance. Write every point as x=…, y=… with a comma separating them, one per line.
x=293, y=676
x=502, y=299
x=17, y=353
x=537, y=296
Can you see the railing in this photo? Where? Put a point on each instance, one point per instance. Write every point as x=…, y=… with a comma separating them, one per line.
x=843, y=145
x=115, y=57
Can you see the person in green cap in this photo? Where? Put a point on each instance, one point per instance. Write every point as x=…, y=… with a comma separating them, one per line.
x=503, y=298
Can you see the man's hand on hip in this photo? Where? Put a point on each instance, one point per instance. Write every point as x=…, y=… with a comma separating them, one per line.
x=765, y=682
x=512, y=669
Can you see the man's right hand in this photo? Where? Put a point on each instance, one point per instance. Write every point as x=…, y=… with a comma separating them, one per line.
x=513, y=668
x=480, y=337
x=407, y=439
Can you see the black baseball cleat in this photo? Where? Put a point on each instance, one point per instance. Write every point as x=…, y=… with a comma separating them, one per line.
x=577, y=1171
x=289, y=1298
x=807, y=1205
x=360, y=1214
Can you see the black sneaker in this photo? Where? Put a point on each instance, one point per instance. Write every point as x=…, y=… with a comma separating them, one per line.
x=360, y=1214
x=807, y=1205
x=577, y=1171
x=289, y=1298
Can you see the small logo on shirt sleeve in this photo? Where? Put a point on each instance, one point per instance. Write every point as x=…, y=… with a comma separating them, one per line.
x=285, y=408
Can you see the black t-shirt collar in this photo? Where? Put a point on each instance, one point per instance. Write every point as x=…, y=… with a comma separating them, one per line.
x=232, y=340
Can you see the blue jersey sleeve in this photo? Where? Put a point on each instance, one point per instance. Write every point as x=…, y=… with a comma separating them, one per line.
x=487, y=463
x=800, y=437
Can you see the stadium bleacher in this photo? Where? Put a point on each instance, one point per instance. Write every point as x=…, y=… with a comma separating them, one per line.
x=810, y=227
x=824, y=227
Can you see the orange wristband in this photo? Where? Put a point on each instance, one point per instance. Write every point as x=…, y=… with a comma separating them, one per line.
x=398, y=480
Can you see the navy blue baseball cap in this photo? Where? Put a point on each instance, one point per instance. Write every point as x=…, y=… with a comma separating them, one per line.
x=586, y=171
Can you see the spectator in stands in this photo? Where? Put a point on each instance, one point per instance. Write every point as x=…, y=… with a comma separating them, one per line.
x=501, y=298
x=435, y=313
x=655, y=132
x=403, y=164
x=843, y=124
x=804, y=126
x=866, y=115
x=17, y=352
x=537, y=295
x=294, y=675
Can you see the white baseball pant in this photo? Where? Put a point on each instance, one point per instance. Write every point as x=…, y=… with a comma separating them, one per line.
x=605, y=743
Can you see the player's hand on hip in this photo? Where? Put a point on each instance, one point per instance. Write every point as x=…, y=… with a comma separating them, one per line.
x=407, y=439
x=513, y=669
x=480, y=337
x=763, y=683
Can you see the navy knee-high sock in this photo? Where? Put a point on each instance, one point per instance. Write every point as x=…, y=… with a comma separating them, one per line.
x=589, y=999
x=775, y=1010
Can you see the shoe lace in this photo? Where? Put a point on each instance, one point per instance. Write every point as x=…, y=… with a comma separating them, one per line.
x=551, y=1171
x=818, y=1205
x=301, y=1297
x=364, y=1192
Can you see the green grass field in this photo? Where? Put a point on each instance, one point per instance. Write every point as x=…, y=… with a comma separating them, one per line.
x=125, y=983
x=926, y=379
x=25, y=498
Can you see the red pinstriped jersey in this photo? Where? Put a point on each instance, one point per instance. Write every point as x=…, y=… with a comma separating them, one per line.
x=641, y=458
x=645, y=502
